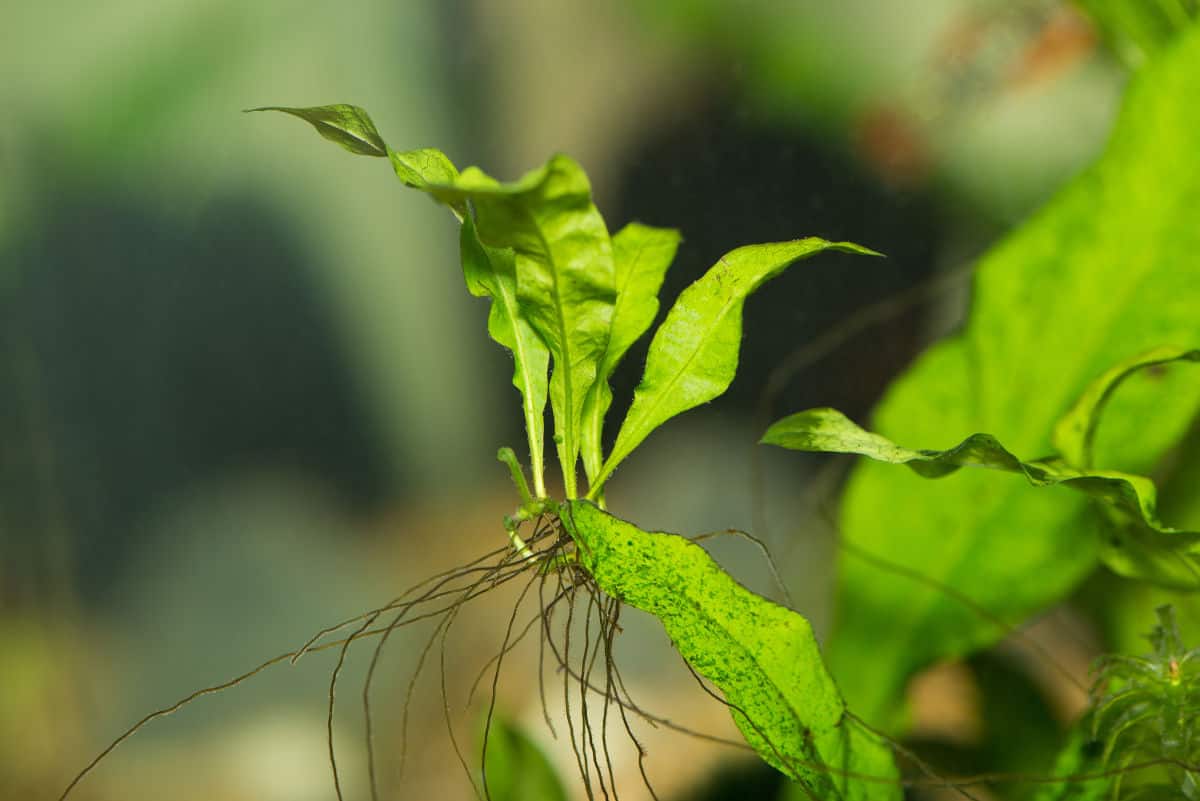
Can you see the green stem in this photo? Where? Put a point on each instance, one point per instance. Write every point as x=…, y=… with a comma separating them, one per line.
x=507, y=456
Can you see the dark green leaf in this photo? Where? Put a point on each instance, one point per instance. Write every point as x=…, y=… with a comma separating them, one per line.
x=492, y=272
x=349, y=126
x=694, y=354
x=515, y=769
x=641, y=255
x=761, y=656
x=1105, y=271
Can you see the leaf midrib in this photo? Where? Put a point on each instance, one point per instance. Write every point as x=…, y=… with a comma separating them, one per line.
x=662, y=395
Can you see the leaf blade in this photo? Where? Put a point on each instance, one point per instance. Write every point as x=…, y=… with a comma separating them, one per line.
x=641, y=256
x=491, y=272
x=1143, y=547
x=347, y=125
x=694, y=353
x=566, y=281
x=763, y=657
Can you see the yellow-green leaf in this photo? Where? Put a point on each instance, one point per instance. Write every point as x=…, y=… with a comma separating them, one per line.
x=349, y=126
x=762, y=657
x=641, y=255
x=694, y=353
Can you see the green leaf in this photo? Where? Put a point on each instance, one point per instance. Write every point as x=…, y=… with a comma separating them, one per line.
x=762, y=657
x=1105, y=271
x=491, y=272
x=1079, y=756
x=1075, y=433
x=424, y=168
x=566, y=283
x=1137, y=29
x=694, y=353
x=349, y=126
x=515, y=769
x=1136, y=544
x=641, y=256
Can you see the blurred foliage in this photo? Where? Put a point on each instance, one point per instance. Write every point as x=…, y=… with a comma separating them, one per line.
x=996, y=102
x=189, y=301
x=516, y=770
x=1102, y=273
x=1137, y=29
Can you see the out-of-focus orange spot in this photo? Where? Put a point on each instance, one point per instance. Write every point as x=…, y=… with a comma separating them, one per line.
x=1062, y=42
x=890, y=142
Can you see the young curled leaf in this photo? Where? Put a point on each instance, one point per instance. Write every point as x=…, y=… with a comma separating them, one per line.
x=1136, y=543
x=694, y=354
x=762, y=657
x=1076, y=430
x=349, y=126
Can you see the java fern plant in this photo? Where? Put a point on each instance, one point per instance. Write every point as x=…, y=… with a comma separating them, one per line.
x=568, y=300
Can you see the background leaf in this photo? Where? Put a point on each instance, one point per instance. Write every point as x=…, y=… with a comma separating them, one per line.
x=516, y=769
x=1079, y=756
x=694, y=354
x=349, y=126
x=1105, y=271
x=762, y=657
x=641, y=256
x=1137, y=29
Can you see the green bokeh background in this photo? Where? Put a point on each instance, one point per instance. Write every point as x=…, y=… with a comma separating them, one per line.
x=244, y=394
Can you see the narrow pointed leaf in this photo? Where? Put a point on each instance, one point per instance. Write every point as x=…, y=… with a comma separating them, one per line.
x=1137, y=543
x=694, y=354
x=349, y=126
x=641, y=256
x=762, y=657
x=566, y=284
x=1076, y=431
x=491, y=272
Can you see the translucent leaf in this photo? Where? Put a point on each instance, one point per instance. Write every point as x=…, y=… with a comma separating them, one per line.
x=515, y=769
x=641, y=256
x=1106, y=270
x=491, y=272
x=349, y=126
x=694, y=354
x=762, y=657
